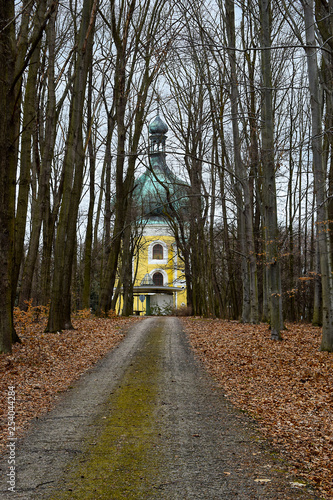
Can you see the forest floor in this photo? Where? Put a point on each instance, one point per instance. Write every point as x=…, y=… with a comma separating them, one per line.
x=46, y=364
x=286, y=386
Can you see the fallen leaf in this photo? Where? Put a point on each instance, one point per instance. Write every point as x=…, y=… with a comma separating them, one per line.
x=286, y=386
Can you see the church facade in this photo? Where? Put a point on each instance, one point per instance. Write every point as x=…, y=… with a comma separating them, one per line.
x=158, y=275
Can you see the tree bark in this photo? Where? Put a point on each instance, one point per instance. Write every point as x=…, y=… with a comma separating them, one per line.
x=89, y=230
x=60, y=308
x=124, y=37
x=317, y=317
x=243, y=198
x=28, y=125
x=8, y=143
x=47, y=150
x=319, y=180
x=268, y=165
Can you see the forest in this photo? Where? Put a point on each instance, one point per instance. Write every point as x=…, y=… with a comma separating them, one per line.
x=246, y=89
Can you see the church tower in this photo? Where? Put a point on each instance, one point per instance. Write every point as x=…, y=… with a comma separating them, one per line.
x=159, y=284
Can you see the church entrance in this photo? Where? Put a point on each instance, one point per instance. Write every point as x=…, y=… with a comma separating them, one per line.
x=161, y=303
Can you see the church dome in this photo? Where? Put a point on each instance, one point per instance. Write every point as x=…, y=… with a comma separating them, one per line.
x=158, y=191
x=158, y=126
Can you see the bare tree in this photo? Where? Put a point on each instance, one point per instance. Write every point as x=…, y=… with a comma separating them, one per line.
x=9, y=93
x=269, y=182
x=140, y=51
x=43, y=130
x=60, y=308
x=17, y=47
x=320, y=179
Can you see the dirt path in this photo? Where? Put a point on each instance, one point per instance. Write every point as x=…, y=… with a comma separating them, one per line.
x=148, y=422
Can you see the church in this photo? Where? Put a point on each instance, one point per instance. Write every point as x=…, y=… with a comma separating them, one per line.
x=160, y=197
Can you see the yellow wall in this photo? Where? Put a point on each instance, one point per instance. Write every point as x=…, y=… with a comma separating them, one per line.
x=143, y=265
x=170, y=267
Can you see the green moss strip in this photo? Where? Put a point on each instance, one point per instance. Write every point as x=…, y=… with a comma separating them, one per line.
x=124, y=459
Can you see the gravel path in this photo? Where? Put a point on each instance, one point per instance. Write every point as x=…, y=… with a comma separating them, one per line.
x=148, y=422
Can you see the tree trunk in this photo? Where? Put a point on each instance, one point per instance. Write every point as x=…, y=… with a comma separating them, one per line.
x=249, y=191
x=319, y=181
x=8, y=138
x=60, y=308
x=240, y=179
x=124, y=183
x=127, y=279
x=269, y=192
x=49, y=220
x=108, y=277
x=89, y=230
x=107, y=166
x=109, y=273
x=317, y=318
x=28, y=126
x=47, y=150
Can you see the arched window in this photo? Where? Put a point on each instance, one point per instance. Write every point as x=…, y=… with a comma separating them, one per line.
x=158, y=279
x=158, y=252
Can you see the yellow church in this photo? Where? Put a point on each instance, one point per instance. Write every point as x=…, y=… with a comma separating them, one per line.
x=158, y=271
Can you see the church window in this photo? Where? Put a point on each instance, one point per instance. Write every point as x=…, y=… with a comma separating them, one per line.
x=158, y=279
x=157, y=252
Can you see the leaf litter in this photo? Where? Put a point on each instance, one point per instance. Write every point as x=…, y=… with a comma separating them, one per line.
x=45, y=364
x=286, y=386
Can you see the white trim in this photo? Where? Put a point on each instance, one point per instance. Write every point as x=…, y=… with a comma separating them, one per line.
x=165, y=253
x=157, y=230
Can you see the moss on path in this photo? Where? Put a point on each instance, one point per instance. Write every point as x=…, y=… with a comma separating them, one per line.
x=124, y=459
x=166, y=431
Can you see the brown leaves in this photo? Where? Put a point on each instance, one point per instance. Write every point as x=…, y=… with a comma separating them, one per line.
x=45, y=364
x=286, y=385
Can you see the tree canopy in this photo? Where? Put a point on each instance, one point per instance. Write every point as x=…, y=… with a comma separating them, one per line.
x=246, y=91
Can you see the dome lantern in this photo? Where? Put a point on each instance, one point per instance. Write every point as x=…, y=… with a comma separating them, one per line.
x=157, y=130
